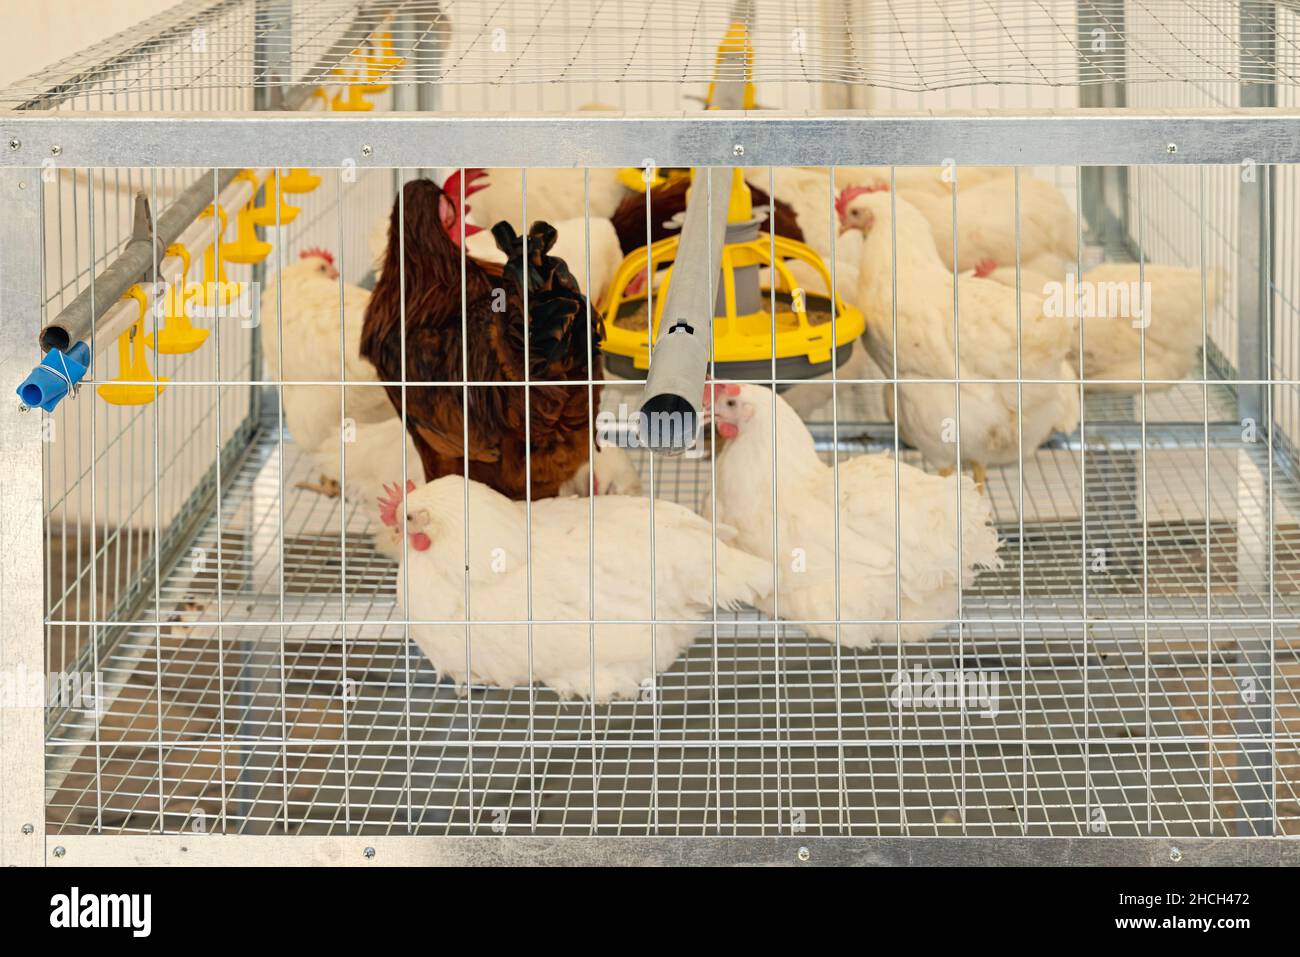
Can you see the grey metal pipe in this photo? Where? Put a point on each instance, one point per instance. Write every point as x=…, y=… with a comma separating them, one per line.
x=138, y=262
x=140, y=258
x=674, y=386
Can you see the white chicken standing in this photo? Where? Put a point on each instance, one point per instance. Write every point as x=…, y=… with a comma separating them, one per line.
x=943, y=543
x=304, y=301
x=1173, y=313
x=1114, y=306
x=567, y=653
x=995, y=418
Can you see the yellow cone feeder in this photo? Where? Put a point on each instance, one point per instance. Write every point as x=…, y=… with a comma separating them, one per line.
x=177, y=336
x=135, y=384
x=743, y=340
x=246, y=248
x=266, y=214
x=299, y=180
x=217, y=289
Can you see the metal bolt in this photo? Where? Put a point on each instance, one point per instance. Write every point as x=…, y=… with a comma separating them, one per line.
x=1175, y=855
x=804, y=854
x=59, y=851
x=1171, y=148
x=368, y=853
x=15, y=144
x=22, y=184
x=738, y=150
x=56, y=150
x=366, y=150
x=27, y=829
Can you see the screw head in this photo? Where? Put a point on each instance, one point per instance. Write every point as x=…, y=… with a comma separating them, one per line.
x=56, y=150
x=368, y=853
x=15, y=144
x=27, y=829
x=1171, y=148
x=59, y=851
x=1175, y=855
x=804, y=854
x=738, y=150
x=366, y=150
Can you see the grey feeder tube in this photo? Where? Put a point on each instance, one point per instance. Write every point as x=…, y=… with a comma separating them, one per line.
x=674, y=386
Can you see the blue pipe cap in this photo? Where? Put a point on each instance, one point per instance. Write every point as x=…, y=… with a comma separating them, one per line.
x=57, y=375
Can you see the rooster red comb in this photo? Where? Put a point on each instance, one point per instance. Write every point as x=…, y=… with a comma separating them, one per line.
x=452, y=190
x=318, y=252
x=391, y=501
x=849, y=193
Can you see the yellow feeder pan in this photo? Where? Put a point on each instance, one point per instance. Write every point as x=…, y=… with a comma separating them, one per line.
x=299, y=180
x=135, y=384
x=743, y=341
x=355, y=101
x=735, y=44
x=265, y=215
x=177, y=336
x=217, y=289
x=387, y=55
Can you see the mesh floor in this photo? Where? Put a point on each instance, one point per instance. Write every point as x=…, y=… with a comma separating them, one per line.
x=1120, y=702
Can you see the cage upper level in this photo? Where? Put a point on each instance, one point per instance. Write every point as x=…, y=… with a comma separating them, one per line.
x=521, y=57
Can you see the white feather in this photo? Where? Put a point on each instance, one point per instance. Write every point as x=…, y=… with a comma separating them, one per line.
x=562, y=601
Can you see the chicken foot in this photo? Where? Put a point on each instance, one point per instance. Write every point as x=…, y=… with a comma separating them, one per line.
x=326, y=486
x=977, y=471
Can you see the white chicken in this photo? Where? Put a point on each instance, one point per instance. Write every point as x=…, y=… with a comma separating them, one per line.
x=604, y=661
x=1114, y=306
x=994, y=418
x=615, y=475
x=371, y=455
x=986, y=223
x=304, y=302
x=807, y=189
x=1114, y=310
x=943, y=543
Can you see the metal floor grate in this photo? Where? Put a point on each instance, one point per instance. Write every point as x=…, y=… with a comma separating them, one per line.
x=1111, y=718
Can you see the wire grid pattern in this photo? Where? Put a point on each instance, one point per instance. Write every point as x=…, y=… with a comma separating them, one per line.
x=334, y=724
x=906, y=45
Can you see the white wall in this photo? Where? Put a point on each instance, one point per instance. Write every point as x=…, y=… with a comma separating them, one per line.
x=40, y=33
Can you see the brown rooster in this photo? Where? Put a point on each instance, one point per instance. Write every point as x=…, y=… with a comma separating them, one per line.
x=668, y=200
x=557, y=431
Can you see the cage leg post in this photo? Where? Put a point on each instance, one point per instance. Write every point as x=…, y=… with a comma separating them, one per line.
x=1258, y=44
x=22, y=612
x=1252, y=672
x=1101, y=44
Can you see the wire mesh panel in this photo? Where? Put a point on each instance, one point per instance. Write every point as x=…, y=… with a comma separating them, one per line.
x=240, y=614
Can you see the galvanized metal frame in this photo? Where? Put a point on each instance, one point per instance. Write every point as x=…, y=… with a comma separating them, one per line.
x=1098, y=138
x=1107, y=139
x=1087, y=137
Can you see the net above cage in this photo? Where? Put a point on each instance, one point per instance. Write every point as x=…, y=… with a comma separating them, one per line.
x=195, y=56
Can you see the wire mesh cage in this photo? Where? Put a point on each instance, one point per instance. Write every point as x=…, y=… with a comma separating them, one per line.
x=225, y=647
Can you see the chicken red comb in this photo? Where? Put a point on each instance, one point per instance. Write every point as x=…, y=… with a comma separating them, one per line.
x=317, y=251
x=714, y=389
x=391, y=501
x=472, y=176
x=849, y=193
x=985, y=267
x=452, y=189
